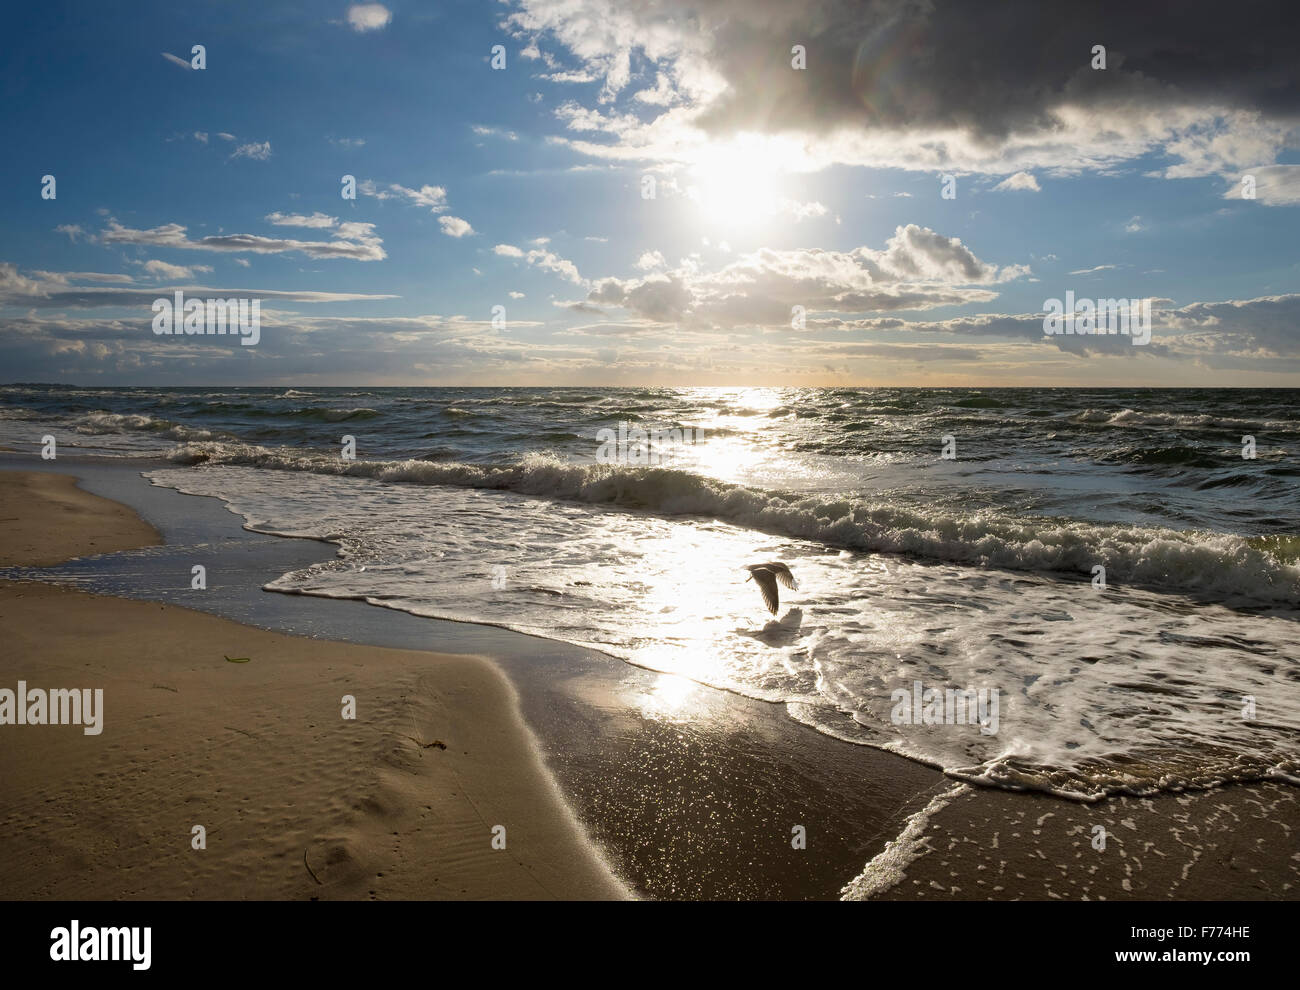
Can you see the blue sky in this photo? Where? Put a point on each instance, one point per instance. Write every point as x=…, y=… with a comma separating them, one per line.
x=775, y=187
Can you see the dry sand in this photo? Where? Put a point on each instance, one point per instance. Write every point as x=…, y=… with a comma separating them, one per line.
x=297, y=801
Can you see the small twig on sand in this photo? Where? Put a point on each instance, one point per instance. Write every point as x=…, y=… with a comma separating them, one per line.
x=310, y=870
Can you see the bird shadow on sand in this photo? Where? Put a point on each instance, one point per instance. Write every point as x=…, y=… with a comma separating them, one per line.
x=778, y=632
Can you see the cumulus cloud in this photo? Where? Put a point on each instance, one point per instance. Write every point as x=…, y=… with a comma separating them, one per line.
x=917, y=269
x=1269, y=325
x=368, y=17
x=455, y=226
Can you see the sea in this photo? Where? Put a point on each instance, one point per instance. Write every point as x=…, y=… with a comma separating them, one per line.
x=1116, y=570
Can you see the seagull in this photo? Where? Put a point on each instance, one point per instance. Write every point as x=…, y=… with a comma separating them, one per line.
x=766, y=576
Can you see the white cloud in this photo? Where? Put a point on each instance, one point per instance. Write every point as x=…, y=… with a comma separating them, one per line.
x=570, y=76
x=661, y=95
x=455, y=226
x=917, y=269
x=1275, y=185
x=67, y=278
x=357, y=241
x=316, y=220
x=802, y=211
x=56, y=290
x=482, y=130
x=1021, y=181
x=368, y=16
x=434, y=197
x=165, y=271
x=547, y=261
x=258, y=151
x=649, y=261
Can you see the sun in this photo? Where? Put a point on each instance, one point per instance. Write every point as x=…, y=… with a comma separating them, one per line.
x=734, y=188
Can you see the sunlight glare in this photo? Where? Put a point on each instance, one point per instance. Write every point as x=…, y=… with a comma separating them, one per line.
x=736, y=188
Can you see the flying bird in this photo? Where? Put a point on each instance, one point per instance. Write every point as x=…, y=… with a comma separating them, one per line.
x=766, y=576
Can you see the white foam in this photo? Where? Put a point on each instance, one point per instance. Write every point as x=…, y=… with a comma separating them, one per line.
x=1102, y=691
x=1224, y=566
x=889, y=867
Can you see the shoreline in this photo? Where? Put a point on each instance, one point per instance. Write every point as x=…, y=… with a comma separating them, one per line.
x=690, y=792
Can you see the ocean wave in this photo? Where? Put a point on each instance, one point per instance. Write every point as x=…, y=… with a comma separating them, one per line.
x=106, y=424
x=1134, y=418
x=17, y=412
x=330, y=415
x=979, y=402
x=1225, y=566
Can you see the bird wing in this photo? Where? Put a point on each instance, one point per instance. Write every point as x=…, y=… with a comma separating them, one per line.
x=781, y=571
x=766, y=582
x=784, y=576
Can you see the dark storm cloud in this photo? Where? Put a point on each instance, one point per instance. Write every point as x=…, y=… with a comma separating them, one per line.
x=992, y=68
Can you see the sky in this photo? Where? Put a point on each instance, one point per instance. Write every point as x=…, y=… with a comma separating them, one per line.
x=651, y=192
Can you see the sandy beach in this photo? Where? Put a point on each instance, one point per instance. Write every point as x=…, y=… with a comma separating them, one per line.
x=297, y=802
